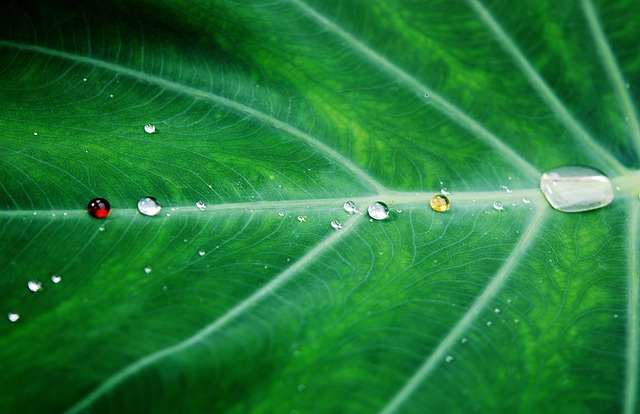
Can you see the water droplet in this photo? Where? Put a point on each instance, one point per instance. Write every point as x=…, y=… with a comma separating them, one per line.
x=84, y=79
x=575, y=188
x=34, y=285
x=448, y=358
x=281, y=214
x=444, y=191
x=440, y=203
x=497, y=310
x=202, y=253
x=463, y=340
x=378, y=210
x=56, y=279
x=149, y=128
x=489, y=323
x=13, y=317
x=398, y=211
x=350, y=207
x=99, y=208
x=149, y=206
x=516, y=320
x=336, y=224
x=498, y=206
x=301, y=219
x=526, y=201
x=35, y=133
x=201, y=205
x=147, y=269
x=101, y=228
x=301, y=387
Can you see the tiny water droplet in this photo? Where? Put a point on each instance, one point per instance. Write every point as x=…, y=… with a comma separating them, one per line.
x=498, y=206
x=281, y=214
x=35, y=133
x=576, y=188
x=444, y=191
x=34, y=285
x=301, y=387
x=13, y=317
x=526, y=201
x=463, y=340
x=101, y=229
x=448, y=358
x=301, y=219
x=440, y=203
x=516, y=320
x=489, y=323
x=99, y=208
x=350, y=207
x=202, y=253
x=84, y=79
x=201, y=205
x=149, y=206
x=378, y=210
x=336, y=224
x=56, y=279
x=147, y=269
x=149, y=128
x=398, y=211
x=615, y=316
x=497, y=310
x=507, y=189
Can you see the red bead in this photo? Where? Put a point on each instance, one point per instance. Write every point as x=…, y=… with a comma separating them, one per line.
x=99, y=208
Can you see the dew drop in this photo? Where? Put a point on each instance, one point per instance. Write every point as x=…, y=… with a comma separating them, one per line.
x=497, y=310
x=147, y=269
x=201, y=253
x=34, y=285
x=498, y=206
x=350, y=207
x=444, y=191
x=13, y=317
x=336, y=224
x=149, y=128
x=440, y=203
x=301, y=219
x=280, y=214
x=575, y=188
x=464, y=340
x=99, y=208
x=201, y=205
x=101, y=229
x=378, y=211
x=489, y=323
x=56, y=279
x=526, y=201
x=448, y=358
x=35, y=133
x=516, y=320
x=149, y=206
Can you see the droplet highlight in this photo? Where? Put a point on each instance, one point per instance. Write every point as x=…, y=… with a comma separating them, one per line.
x=440, y=203
x=336, y=224
x=301, y=219
x=56, y=279
x=147, y=269
x=350, y=207
x=378, y=211
x=201, y=253
x=150, y=128
x=34, y=285
x=575, y=188
x=99, y=208
x=13, y=317
x=149, y=206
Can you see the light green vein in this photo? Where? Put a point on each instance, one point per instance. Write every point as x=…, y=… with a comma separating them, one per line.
x=438, y=102
x=219, y=100
x=116, y=379
x=495, y=284
x=633, y=317
x=613, y=70
x=543, y=89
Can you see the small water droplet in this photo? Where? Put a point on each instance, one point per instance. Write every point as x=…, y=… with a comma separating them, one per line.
x=110, y=95
x=516, y=320
x=440, y=203
x=615, y=316
x=526, y=201
x=498, y=206
x=149, y=206
x=463, y=340
x=301, y=387
x=576, y=188
x=149, y=128
x=497, y=310
x=281, y=214
x=34, y=285
x=147, y=269
x=101, y=228
x=336, y=224
x=489, y=323
x=444, y=191
x=398, y=211
x=84, y=79
x=448, y=358
x=35, y=133
x=507, y=189
x=350, y=207
x=202, y=253
x=201, y=205
x=56, y=279
x=13, y=317
x=378, y=210
x=301, y=219
x=99, y=208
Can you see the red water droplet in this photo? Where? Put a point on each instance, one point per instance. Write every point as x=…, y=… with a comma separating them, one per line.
x=99, y=208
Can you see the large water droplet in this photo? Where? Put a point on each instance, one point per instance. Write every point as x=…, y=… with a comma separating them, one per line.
x=350, y=207
x=378, y=211
x=575, y=188
x=439, y=203
x=13, y=317
x=336, y=224
x=149, y=128
x=56, y=279
x=149, y=206
x=34, y=285
x=201, y=205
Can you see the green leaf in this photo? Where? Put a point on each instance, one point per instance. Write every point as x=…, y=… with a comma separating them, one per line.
x=274, y=114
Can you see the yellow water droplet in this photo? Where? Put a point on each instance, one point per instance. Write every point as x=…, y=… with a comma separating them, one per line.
x=440, y=203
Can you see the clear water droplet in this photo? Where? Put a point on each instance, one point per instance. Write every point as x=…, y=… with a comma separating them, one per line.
x=101, y=228
x=201, y=253
x=350, y=207
x=147, y=269
x=201, y=205
x=34, y=285
x=576, y=188
x=56, y=279
x=444, y=191
x=378, y=211
x=497, y=310
x=35, y=133
x=440, y=203
x=336, y=224
x=489, y=323
x=301, y=219
x=13, y=317
x=448, y=358
x=526, y=201
x=149, y=128
x=149, y=206
x=464, y=340
x=398, y=211
x=498, y=206
x=280, y=214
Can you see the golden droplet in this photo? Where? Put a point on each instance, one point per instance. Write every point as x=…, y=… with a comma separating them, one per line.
x=439, y=203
